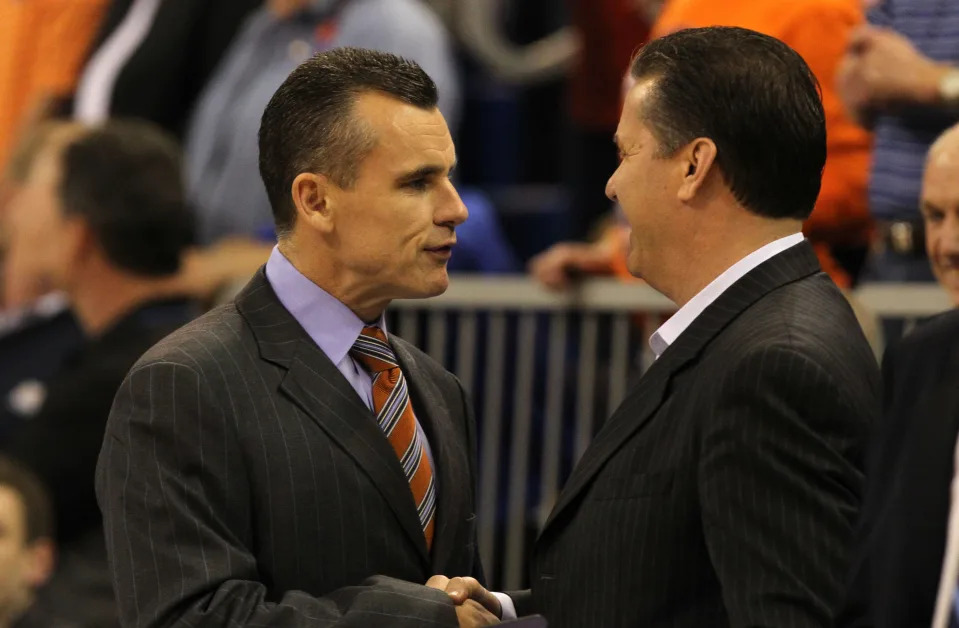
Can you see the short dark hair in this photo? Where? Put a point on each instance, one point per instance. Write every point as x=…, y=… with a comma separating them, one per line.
x=125, y=178
x=37, y=508
x=755, y=97
x=309, y=124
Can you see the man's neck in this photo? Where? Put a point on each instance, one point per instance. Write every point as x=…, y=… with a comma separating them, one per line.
x=714, y=258
x=101, y=303
x=337, y=282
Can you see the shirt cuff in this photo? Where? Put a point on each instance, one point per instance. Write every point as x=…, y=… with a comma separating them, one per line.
x=508, y=609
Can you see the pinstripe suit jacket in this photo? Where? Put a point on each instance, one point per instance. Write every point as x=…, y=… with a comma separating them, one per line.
x=244, y=483
x=724, y=490
x=904, y=524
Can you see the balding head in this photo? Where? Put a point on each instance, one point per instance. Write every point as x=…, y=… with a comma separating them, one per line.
x=940, y=210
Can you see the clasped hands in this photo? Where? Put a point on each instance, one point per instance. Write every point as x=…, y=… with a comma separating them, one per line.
x=475, y=606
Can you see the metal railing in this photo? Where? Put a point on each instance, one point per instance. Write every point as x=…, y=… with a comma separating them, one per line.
x=544, y=369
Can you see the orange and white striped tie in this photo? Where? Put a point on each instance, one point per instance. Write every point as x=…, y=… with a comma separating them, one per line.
x=394, y=413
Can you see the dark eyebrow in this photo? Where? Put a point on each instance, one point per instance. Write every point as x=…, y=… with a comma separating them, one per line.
x=425, y=172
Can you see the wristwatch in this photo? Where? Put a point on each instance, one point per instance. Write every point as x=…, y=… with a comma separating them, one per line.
x=949, y=88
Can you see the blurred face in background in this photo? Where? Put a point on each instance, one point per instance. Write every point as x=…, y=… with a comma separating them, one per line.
x=43, y=241
x=940, y=212
x=24, y=566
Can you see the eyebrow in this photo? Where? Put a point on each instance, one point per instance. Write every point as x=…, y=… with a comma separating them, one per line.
x=424, y=172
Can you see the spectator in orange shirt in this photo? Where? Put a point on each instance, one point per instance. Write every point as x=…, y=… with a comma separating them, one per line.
x=43, y=44
x=839, y=227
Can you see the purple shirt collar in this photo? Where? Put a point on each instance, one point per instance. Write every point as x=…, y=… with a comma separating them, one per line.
x=332, y=325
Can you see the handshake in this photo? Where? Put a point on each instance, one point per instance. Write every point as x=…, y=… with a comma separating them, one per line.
x=475, y=606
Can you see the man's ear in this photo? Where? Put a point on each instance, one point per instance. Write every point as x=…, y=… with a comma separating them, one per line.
x=41, y=562
x=698, y=158
x=313, y=200
x=81, y=240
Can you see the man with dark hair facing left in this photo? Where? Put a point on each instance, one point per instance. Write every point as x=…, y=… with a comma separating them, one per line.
x=724, y=490
x=101, y=217
x=284, y=460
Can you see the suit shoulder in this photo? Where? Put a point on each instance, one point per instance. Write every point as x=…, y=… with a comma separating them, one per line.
x=808, y=314
x=810, y=320
x=203, y=341
x=930, y=333
x=936, y=337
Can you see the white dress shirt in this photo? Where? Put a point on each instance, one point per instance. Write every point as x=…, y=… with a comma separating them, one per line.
x=945, y=601
x=683, y=318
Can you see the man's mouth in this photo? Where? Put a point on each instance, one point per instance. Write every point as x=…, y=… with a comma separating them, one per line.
x=443, y=249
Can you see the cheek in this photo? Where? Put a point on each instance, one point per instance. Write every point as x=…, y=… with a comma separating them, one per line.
x=933, y=239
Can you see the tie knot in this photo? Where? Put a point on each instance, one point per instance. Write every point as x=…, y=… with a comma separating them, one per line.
x=373, y=351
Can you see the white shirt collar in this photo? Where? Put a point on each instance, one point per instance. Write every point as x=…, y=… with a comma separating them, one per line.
x=677, y=324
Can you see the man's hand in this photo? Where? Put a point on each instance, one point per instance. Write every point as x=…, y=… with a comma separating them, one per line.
x=471, y=613
x=207, y=270
x=470, y=595
x=285, y=8
x=883, y=69
x=559, y=265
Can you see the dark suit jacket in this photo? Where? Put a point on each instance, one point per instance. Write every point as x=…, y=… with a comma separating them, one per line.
x=725, y=488
x=243, y=482
x=61, y=443
x=902, y=532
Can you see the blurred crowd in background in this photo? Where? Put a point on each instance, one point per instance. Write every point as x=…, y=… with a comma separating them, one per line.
x=112, y=238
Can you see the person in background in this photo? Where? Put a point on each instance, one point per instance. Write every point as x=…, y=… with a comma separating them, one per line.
x=27, y=548
x=939, y=206
x=102, y=218
x=610, y=32
x=151, y=59
x=911, y=509
x=900, y=78
x=37, y=329
x=43, y=44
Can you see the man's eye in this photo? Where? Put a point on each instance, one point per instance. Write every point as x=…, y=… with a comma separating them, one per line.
x=418, y=184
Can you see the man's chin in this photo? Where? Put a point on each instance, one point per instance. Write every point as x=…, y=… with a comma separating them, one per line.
x=428, y=289
x=953, y=292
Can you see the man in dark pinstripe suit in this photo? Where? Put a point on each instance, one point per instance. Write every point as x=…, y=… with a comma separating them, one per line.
x=251, y=473
x=724, y=490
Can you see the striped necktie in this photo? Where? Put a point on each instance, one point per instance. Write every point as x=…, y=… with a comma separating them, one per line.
x=394, y=413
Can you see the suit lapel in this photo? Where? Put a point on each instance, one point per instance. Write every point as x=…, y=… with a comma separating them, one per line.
x=945, y=401
x=451, y=467
x=642, y=403
x=318, y=388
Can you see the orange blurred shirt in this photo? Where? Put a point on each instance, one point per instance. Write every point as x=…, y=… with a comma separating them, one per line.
x=610, y=32
x=43, y=44
x=819, y=31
